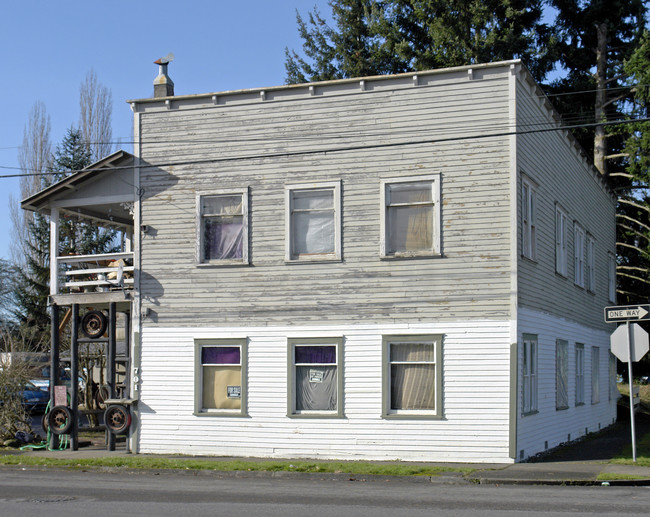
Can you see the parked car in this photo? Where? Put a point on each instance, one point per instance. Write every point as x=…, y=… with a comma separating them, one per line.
x=33, y=398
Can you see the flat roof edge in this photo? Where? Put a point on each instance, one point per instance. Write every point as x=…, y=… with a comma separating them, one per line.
x=333, y=82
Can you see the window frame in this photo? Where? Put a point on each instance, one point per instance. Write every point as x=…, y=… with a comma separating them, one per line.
x=200, y=243
x=199, y=344
x=580, y=374
x=431, y=414
x=529, y=397
x=561, y=374
x=528, y=219
x=595, y=375
x=579, y=244
x=561, y=239
x=435, y=251
x=590, y=263
x=292, y=412
x=336, y=255
x=611, y=277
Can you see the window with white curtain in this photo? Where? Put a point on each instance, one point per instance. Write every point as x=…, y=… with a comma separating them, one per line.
x=315, y=379
x=222, y=228
x=529, y=377
x=313, y=223
x=410, y=216
x=561, y=374
x=220, y=377
x=412, y=376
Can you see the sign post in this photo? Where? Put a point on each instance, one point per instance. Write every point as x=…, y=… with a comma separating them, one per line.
x=629, y=343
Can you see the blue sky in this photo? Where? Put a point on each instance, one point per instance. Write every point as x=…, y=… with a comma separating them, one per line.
x=47, y=48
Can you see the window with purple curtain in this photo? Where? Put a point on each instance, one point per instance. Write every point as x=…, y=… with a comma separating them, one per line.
x=315, y=378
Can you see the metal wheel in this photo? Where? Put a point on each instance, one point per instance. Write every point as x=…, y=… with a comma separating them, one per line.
x=60, y=420
x=117, y=419
x=94, y=324
x=101, y=395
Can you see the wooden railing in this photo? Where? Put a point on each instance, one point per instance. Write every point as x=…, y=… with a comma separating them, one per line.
x=93, y=273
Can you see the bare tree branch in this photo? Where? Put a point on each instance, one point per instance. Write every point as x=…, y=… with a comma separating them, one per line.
x=96, y=110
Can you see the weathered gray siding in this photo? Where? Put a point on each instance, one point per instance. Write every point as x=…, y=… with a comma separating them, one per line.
x=244, y=141
x=552, y=161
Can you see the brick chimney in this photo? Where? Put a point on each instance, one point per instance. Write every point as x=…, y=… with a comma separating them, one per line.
x=163, y=86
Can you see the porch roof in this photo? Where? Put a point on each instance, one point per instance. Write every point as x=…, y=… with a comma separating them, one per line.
x=102, y=192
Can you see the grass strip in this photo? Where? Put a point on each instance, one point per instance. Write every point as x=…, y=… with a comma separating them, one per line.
x=642, y=453
x=610, y=476
x=148, y=462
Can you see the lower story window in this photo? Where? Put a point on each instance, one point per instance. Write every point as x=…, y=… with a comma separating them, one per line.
x=315, y=380
x=220, y=380
x=412, y=376
x=529, y=380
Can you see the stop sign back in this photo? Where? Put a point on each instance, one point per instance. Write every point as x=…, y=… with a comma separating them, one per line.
x=620, y=347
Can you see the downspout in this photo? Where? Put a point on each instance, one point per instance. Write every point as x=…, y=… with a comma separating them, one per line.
x=136, y=304
x=514, y=262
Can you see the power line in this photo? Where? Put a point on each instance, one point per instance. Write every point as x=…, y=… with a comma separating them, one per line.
x=348, y=148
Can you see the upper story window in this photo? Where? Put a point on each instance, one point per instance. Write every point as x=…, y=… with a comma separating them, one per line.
x=313, y=223
x=222, y=229
x=579, y=255
x=528, y=208
x=410, y=217
x=590, y=275
x=560, y=241
x=611, y=277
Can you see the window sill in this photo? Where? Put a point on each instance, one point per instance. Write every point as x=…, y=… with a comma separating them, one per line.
x=532, y=260
x=222, y=263
x=402, y=256
x=412, y=416
x=220, y=413
x=579, y=404
x=314, y=260
x=534, y=412
x=315, y=415
x=563, y=408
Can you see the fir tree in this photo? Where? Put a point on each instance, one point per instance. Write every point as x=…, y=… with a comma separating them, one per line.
x=374, y=37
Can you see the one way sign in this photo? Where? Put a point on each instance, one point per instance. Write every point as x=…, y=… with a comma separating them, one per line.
x=627, y=313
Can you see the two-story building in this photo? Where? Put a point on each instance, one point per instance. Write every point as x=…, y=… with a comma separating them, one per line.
x=399, y=267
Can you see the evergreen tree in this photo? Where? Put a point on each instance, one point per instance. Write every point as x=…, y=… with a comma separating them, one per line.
x=633, y=235
x=75, y=236
x=374, y=37
x=596, y=37
x=32, y=285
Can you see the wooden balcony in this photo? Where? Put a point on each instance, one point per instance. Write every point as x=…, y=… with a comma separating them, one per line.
x=106, y=277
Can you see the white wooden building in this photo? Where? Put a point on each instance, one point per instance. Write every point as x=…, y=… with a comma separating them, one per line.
x=402, y=267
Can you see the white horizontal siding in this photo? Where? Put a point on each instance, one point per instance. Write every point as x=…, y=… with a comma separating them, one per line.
x=475, y=426
x=550, y=425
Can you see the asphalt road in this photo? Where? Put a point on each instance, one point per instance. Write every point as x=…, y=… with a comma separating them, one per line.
x=77, y=493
